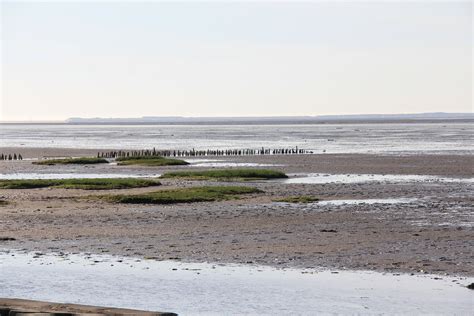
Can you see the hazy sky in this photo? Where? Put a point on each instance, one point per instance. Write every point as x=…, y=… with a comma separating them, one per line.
x=131, y=59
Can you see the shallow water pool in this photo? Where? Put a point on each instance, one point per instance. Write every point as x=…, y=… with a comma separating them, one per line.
x=213, y=289
x=322, y=178
x=223, y=163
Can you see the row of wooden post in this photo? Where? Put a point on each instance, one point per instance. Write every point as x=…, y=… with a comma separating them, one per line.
x=11, y=157
x=201, y=153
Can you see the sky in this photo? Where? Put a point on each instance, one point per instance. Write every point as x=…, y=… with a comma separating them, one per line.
x=64, y=59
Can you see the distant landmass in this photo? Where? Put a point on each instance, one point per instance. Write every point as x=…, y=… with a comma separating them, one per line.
x=439, y=116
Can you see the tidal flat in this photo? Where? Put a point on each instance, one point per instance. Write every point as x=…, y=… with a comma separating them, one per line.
x=411, y=226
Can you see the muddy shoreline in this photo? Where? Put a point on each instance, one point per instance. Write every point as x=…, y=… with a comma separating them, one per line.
x=431, y=233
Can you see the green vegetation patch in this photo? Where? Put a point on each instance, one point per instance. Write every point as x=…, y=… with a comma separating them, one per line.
x=184, y=195
x=298, y=199
x=71, y=161
x=227, y=174
x=150, y=161
x=84, y=184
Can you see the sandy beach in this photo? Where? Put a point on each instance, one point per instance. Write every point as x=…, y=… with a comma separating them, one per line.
x=412, y=226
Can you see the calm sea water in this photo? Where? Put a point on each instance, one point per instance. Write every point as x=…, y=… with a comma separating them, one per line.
x=333, y=138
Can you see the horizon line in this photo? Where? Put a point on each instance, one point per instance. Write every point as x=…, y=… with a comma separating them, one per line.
x=286, y=117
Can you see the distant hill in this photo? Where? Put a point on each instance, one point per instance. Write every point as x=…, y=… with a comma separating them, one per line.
x=416, y=116
x=276, y=119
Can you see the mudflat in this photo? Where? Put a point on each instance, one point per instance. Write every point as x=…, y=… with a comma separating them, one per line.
x=405, y=226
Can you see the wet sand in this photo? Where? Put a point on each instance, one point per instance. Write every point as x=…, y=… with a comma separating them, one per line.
x=431, y=233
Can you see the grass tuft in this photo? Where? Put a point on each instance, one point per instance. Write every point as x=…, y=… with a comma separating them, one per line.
x=71, y=161
x=297, y=199
x=84, y=184
x=184, y=195
x=150, y=161
x=227, y=174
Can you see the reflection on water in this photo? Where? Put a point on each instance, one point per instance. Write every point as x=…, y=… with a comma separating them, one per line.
x=354, y=202
x=190, y=288
x=321, y=178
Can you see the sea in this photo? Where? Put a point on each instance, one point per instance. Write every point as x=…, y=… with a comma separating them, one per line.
x=375, y=138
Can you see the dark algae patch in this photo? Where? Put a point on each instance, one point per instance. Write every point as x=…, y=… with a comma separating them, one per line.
x=184, y=195
x=71, y=161
x=227, y=174
x=85, y=184
x=3, y=202
x=298, y=199
x=150, y=161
